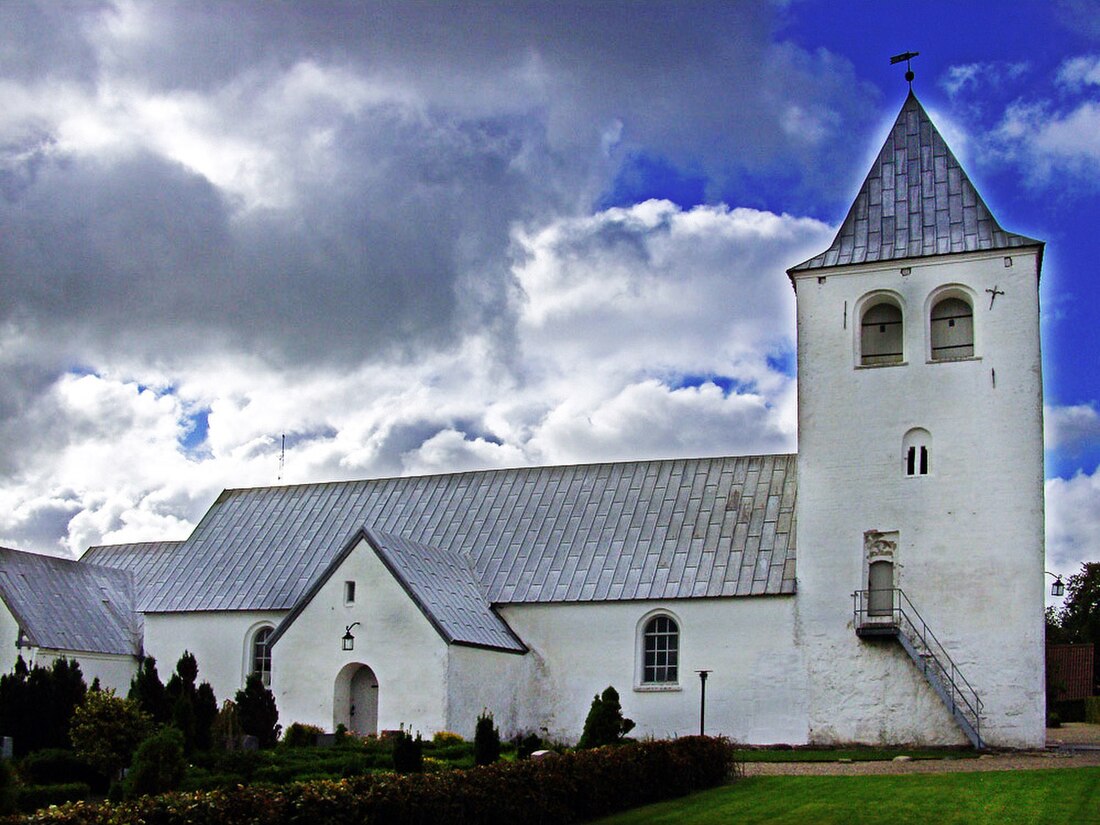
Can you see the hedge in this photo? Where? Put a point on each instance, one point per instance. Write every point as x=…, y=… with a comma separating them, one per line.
x=572, y=787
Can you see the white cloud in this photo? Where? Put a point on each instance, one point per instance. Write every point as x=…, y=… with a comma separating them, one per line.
x=1080, y=71
x=1072, y=521
x=1070, y=426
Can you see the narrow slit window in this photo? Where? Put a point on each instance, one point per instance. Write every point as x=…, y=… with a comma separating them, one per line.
x=880, y=336
x=349, y=592
x=952, y=330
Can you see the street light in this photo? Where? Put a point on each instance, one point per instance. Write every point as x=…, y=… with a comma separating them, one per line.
x=702, y=698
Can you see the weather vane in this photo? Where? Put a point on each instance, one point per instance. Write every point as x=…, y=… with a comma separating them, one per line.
x=906, y=56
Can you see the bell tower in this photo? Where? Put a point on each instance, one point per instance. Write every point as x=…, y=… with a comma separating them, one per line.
x=920, y=463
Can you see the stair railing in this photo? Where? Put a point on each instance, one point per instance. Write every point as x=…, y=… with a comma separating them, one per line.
x=904, y=616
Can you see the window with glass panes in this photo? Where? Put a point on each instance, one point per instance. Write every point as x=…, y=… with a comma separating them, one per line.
x=662, y=651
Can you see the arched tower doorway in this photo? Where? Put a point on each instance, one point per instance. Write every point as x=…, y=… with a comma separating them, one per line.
x=355, y=700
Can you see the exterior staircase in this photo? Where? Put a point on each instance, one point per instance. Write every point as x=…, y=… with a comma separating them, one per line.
x=888, y=614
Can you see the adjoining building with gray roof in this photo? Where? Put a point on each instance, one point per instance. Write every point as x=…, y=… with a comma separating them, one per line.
x=426, y=600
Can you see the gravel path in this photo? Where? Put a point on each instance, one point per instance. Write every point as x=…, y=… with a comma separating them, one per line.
x=1068, y=735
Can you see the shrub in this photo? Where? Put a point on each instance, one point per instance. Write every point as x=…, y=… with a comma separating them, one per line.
x=258, y=714
x=37, y=704
x=605, y=724
x=158, y=765
x=54, y=766
x=106, y=731
x=571, y=787
x=7, y=789
x=408, y=753
x=1092, y=710
x=486, y=740
x=33, y=797
x=147, y=690
x=527, y=745
x=299, y=735
x=445, y=737
x=225, y=733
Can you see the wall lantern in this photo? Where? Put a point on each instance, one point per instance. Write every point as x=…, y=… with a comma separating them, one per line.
x=348, y=642
x=1056, y=589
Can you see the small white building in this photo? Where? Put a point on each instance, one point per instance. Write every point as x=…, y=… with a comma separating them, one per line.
x=914, y=613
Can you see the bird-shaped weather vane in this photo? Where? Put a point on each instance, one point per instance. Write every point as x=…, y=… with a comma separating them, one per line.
x=906, y=56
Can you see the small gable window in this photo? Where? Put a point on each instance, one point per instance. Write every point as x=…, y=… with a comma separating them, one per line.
x=261, y=654
x=916, y=449
x=661, y=651
x=951, y=329
x=349, y=592
x=880, y=335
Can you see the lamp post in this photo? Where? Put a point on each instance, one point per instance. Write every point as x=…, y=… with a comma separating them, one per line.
x=1056, y=589
x=702, y=699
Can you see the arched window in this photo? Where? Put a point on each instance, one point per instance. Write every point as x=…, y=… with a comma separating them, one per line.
x=951, y=329
x=661, y=651
x=916, y=452
x=880, y=335
x=261, y=654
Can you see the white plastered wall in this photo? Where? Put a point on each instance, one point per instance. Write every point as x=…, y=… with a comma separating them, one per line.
x=113, y=671
x=481, y=680
x=9, y=634
x=394, y=639
x=220, y=641
x=970, y=551
x=756, y=692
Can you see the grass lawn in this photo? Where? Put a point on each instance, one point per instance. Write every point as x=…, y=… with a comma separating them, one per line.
x=1046, y=797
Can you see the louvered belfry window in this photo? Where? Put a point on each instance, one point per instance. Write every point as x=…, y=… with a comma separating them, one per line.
x=662, y=651
x=952, y=330
x=880, y=337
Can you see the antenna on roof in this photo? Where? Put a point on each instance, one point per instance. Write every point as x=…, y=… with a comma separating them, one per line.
x=907, y=57
x=282, y=458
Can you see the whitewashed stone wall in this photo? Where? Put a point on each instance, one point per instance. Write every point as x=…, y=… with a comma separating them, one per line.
x=220, y=641
x=970, y=534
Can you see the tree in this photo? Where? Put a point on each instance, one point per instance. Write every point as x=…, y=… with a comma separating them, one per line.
x=605, y=724
x=36, y=705
x=486, y=740
x=1079, y=619
x=147, y=690
x=107, y=729
x=257, y=712
x=225, y=733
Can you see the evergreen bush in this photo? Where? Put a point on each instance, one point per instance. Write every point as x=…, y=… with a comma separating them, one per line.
x=486, y=740
x=408, y=753
x=301, y=736
x=7, y=789
x=605, y=724
x=257, y=712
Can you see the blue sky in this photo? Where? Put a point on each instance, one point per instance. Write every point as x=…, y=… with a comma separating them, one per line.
x=424, y=237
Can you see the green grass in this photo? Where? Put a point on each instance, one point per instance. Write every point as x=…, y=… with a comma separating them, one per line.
x=852, y=754
x=1045, y=797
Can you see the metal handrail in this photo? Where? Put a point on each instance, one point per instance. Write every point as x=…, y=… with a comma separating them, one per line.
x=900, y=617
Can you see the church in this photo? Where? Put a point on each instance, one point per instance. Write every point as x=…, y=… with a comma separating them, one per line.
x=884, y=585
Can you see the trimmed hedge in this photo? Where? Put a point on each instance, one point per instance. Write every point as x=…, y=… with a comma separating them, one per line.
x=571, y=787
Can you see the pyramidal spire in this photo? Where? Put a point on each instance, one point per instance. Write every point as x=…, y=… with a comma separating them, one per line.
x=916, y=202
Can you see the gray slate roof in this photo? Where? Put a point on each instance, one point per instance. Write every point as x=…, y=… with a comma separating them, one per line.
x=637, y=530
x=916, y=202
x=62, y=604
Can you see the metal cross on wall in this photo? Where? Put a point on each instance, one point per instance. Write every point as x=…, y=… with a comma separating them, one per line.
x=993, y=293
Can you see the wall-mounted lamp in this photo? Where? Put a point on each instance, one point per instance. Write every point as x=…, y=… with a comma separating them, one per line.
x=1056, y=589
x=348, y=642
x=905, y=270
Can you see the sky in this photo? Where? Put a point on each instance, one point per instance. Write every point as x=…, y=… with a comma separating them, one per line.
x=433, y=237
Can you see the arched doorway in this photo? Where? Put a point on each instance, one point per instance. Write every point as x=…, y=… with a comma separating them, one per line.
x=355, y=700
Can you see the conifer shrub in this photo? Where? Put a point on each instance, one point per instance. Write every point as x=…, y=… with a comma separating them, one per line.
x=605, y=724
x=408, y=753
x=257, y=712
x=298, y=735
x=7, y=789
x=527, y=745
x=486, y=740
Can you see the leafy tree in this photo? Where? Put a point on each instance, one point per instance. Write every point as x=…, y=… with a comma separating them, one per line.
x=158, y=766
x=605, y=724
x=258, y=714
x=486, y=740
x=147, y=690
x=107, y=729
x=1079, y=619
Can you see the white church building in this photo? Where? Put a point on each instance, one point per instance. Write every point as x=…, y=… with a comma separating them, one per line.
x=884, y=585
